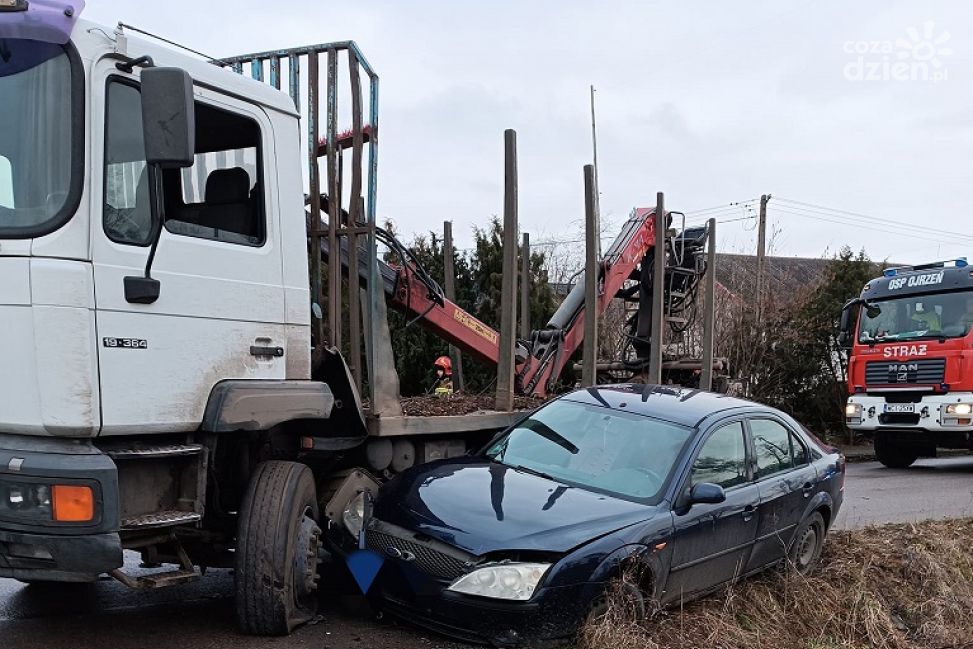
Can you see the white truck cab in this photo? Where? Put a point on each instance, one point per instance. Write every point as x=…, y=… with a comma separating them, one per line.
x=156, y=310
x=75, y=221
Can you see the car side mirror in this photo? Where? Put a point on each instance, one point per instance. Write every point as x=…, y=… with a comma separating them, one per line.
x=168, y=117
x=706, y=493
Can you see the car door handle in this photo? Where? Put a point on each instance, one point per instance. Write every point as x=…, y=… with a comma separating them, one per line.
x=748, y=512
x=807, y=488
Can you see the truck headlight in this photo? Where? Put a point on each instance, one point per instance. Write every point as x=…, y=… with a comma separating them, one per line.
x=26, y=501
x=354, y=515
x=514, y=581
x=41, y=502
x=853, y=413
x=959, y=409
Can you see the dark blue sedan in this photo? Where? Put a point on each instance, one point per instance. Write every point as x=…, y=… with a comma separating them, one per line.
x=517, y=543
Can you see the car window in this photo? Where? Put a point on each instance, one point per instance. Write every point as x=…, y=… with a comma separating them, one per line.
x=723, y=458
x=606, y=450
x=772, y=444
x=6, y=184
x=800, y=451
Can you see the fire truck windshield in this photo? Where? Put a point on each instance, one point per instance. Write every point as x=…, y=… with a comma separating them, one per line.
x=934, y=315
x=39, y=144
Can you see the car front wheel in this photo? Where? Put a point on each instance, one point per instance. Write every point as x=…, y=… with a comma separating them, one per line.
x=808, y=541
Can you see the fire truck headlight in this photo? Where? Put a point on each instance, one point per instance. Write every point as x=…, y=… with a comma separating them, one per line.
x=853, y=413
x=959, y=409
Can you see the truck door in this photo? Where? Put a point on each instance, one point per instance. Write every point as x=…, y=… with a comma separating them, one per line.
x=220, y=312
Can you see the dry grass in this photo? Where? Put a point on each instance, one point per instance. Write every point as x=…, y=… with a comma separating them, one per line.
x=888, y=587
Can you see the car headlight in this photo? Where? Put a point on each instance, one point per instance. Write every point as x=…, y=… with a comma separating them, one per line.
x=959, y=409
x=354, y=515
x=515, y=581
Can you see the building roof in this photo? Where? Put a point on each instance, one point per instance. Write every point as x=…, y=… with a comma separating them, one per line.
x=737, y=274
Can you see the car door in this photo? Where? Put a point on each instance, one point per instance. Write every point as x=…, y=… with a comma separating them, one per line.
x=712, y=542
x=786, y=480
x=220, y=312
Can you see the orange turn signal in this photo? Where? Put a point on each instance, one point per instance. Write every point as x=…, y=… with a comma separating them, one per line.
x=73, y=504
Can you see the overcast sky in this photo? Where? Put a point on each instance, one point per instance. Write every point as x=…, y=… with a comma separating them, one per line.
x=832, y=104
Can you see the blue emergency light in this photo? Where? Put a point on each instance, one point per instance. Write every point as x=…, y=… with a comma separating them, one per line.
x=956, y=263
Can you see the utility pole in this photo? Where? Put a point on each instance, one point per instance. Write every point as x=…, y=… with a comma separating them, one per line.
x=658, y=284
x=589, y=358
x=525, y=287
x=449, y=274
x=594, y=142
x=508, y=290
x=761, y=254
x=709, y=311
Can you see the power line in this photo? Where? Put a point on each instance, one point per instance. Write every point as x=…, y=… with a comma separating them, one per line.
x=859, y=217
x=849, y=223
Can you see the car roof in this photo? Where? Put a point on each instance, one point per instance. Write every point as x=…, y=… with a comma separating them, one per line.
x=673, y=403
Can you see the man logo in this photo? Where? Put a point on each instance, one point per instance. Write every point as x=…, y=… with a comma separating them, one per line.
x=396, y=553
x=899, y=373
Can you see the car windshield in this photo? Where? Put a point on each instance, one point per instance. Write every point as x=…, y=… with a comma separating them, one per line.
x=609, y=451
x=36, y=138
x=935, y=315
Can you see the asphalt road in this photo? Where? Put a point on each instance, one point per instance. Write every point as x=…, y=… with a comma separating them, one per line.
x=106, y=615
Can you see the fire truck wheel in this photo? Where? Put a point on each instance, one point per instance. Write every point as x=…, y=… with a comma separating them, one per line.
x=894, y=457
x=277, y=550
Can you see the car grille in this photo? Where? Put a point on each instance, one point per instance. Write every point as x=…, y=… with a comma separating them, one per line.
x=429, y=556
x=928, y=371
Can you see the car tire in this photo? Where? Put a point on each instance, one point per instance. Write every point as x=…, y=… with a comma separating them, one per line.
x=805, y=550
x=894, y=457
x=629, y=596
x=277, y=550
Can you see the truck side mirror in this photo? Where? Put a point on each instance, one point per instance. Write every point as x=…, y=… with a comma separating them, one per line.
x=169, y=133
x=168, y=117
x=844, y=336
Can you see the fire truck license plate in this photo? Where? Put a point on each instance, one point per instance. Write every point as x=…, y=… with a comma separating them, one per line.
x=900, y=407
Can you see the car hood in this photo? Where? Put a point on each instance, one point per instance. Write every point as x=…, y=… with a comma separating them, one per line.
x=481, y=507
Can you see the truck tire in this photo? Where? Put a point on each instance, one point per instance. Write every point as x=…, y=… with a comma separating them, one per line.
x=892, y=456
x=277, y=550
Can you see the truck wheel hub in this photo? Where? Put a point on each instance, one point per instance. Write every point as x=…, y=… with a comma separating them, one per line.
x=307, y=555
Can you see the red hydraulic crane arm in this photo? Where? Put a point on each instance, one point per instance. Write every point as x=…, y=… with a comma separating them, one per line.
x=552, y=347
x=444, y=318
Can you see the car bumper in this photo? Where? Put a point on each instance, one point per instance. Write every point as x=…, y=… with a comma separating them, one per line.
x=929, y=415
x=553, y=613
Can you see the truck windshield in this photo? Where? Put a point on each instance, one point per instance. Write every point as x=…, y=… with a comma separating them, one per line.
x=935, y=315
x=39, y=152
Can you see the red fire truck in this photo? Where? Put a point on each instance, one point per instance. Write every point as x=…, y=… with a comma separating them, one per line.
x=910, y=371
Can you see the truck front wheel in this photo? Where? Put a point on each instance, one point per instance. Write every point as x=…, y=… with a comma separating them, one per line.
x=277, y=550
x=892, y=456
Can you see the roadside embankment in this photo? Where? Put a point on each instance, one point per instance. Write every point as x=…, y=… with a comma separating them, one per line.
x=907, y=586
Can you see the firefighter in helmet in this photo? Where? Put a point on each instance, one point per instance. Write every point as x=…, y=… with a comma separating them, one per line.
x=443, y=386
